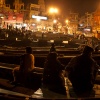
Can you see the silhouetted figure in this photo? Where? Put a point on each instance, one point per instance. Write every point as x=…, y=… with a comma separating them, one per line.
x=24, y=73
x=42, y=35
x=27, y=60
x=53, y=77
x=82, y=71
x=53, y=49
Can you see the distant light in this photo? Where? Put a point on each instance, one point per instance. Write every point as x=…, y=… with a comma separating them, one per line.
x=81, y=24
x=44, y=27
x=53, y=10
x=33, y=24
x=2, y=17
x=16, y=39
x=65, y=42
x=52, y=41
x=67, y=21
x=56, y=10
x=39, y=17
x=55, y=21
x=25, y=25
x=14, y=17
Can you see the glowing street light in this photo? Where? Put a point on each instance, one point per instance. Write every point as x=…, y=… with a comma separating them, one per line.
x=53, y=10
x=55, y=21
x=67, y=21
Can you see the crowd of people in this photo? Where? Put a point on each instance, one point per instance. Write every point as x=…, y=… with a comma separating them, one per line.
x=33, y=37
x=81, y=71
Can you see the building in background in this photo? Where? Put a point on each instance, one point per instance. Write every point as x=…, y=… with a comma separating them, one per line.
x=4, y=8
x=42, y=7
x=11, y=17
x=72, y=23
x=96, y=24
x=18, y=5
x=34, y=17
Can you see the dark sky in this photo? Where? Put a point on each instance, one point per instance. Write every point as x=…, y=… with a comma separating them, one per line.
x=78, y=6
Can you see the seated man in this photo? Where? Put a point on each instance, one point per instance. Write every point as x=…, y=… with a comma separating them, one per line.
x=82, y=71
x=21, y=73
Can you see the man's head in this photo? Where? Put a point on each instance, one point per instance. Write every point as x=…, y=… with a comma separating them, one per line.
x=29, y=50
x=52, y=56
x=88, y=50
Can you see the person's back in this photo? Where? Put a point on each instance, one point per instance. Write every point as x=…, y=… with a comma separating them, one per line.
x=20, y=73
x=27, y=62
x=81, y=74
x=52, y=75
x=27, y=74
x=82, y=71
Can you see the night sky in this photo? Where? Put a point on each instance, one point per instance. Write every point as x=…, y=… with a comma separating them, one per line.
x=77, y=6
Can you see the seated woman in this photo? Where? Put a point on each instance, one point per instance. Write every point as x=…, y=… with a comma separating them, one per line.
x=23, y=72
x=53, y=77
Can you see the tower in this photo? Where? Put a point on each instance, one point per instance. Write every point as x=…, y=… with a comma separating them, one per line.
x=42, y=6
x=19, y=5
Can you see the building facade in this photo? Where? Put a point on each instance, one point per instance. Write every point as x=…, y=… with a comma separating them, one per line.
x=96, y=22
x=11, y=17
x=36, y=18
x=72, y=23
